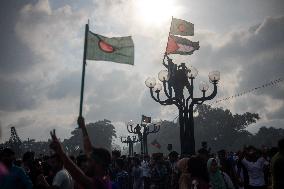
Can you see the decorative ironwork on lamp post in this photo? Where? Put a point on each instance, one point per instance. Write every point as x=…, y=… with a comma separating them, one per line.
x=143, y=130
x=130, y=143
x=175, y=80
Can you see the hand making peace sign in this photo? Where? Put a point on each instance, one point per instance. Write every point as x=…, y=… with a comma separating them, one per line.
x=55, y=144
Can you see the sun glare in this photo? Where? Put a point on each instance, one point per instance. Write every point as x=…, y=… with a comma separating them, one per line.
x=155, y=12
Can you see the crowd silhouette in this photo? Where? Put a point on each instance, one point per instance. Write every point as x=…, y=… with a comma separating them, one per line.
x=97, y=168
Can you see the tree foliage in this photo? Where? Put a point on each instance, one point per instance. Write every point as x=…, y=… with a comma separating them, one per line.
x=100, y=133
x=220, y=128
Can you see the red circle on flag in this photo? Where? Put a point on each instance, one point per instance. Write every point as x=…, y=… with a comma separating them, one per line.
x=105, y=47
x=181, y=28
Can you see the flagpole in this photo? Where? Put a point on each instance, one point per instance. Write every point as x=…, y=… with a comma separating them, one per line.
x=169, y=35
x=83, y=69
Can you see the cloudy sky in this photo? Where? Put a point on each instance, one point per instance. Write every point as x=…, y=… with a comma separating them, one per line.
x=42, y=47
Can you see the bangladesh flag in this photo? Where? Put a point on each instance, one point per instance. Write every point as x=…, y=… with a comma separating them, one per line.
x=180, y=45
x=115, y=49
x=181, y=27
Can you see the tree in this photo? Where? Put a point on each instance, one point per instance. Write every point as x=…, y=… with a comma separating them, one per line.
x=267, y=136
x=100, y=132
x=219, y=127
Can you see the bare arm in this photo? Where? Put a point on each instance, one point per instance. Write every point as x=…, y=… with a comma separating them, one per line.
x=71, y=167
x=86, y=140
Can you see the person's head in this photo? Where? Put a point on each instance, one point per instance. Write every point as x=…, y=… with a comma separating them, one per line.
x=55, y=163
x=99, y=162
x=136, y=161
x=251, y=153
x=197, y=167
x=222, y=154
x=119, y=163
x=7, y=157
x=212, y=165
x=173, y=156
x=157, y=158
x=203, y=153
x=281, y=145
x=146, y=158
x=204, y=144
x=115, y=154
x=182, y=165
x=28, y=158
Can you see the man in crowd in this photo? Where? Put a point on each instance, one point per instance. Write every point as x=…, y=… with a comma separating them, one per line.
x=255, y=163
x=15, y=177
x=62, y=179
x=99, y=160
x=277, y=167
x=173, y=180
x=121, y=178
x=159, y=172
x=146, y=171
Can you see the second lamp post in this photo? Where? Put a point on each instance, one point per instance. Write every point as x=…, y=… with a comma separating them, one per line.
x=143, y=130
x=130, y=143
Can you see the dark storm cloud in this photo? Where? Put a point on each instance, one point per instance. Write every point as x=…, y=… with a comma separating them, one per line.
x=258, y=53
x=277, y=115
x=267, y=36
x=248, y=58
x=15, y=56
x=16, y=95
x=66, y=85
x=264, y=60
x=15, y=60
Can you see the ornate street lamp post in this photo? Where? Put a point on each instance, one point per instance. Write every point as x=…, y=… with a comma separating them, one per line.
x=143, y=130
x=130, y=143
x=176, y=79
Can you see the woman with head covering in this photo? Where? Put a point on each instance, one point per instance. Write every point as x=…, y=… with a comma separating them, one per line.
x=198, y=173
x=218, y=179
x=184, y=179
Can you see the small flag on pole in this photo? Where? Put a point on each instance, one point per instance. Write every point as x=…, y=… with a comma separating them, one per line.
x=180, y=45
x=181, y=27
x=115, y=49
x=156, y=144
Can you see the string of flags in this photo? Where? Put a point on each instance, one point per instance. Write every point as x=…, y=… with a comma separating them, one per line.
x=248, y=91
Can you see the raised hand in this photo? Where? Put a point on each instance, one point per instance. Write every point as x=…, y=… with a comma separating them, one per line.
x=55, y=144
x=81, y=121
x=86, y=140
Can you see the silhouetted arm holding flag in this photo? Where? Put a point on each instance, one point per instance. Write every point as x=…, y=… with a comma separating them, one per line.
x=86, y=140
x=72, y=168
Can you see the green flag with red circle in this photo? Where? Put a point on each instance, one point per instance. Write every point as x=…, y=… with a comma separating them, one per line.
x=181, y=27
x=114, y=49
